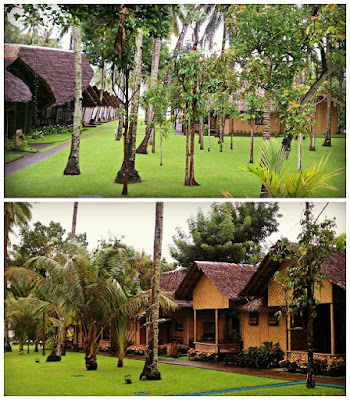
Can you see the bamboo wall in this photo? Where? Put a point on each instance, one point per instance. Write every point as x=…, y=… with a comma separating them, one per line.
x=255, y=335
x=207, y=296
x=276, y=297
x=209, y=316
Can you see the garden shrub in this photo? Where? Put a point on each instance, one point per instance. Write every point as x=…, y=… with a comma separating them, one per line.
x=195, y=355
x=136, y=350
x=41, y=131
x=334, y=366
x=12, y=144
x=183, y=349
x=268, y=355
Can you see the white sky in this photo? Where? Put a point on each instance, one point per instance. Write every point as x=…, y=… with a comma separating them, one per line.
x=135, y=220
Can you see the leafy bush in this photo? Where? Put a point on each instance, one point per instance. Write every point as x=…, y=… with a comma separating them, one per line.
x=136, y=350
x=11, y=145
x=195, y=355
x=268, y=355
x=334, y=366
x=183, y=349
x=40, y=132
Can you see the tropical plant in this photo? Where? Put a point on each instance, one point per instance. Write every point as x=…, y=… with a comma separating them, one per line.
x=278, y=181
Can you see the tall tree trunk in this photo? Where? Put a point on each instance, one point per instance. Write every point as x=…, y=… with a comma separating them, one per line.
x=266, y=136
x=74, y=221
x=201, y=147
x=150, y=370
x=133, y=175
x=251, y=141
x=161, y=147
x=157, y=42
x=209, y=132
x=299, y=152
x=266, y=120
x=231, y=144
x=44, y=333
x=72, y=167
x=327, y=141
x=90, y=350
x=192, y=181
x=142, y=149
x=313, y=134
x=126, y=138
x=121, y=116
x=310, y=380
x=153, y=141
x=36, y=349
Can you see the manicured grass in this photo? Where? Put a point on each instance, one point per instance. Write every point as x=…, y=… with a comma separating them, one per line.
x=25, y=377
x=101, y=158
x=12, y=156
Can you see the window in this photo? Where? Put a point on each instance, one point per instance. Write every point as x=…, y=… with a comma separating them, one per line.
x=209, y=328
x=258, y=120
x=272, y=320
x=253, y=318
x=179, y=326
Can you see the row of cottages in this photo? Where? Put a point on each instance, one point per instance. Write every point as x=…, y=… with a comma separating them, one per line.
x=39, y=89
x=225, y=308
x=276, y=127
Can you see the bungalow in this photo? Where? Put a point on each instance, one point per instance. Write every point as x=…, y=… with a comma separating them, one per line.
x=329, y=324
x=39, y=89
x=224, y=308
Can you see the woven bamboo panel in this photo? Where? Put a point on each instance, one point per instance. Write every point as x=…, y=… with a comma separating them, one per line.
x=255, y=335
x=276, y=296
x=205, y=347
x=207, y=296
x=295, y=355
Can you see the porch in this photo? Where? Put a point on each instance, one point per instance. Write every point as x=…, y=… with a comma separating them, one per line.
x=217, y=331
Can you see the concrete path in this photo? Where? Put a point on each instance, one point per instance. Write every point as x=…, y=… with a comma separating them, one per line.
x=32, y=158
x=274, y=373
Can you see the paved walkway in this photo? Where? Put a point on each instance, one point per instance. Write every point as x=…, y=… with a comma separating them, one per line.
x=274, y=373
x=32, y=158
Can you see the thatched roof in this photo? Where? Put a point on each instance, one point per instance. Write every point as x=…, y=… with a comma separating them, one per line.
x=333, y=268
x=169, y=282
x=228, y=278
x=16, y=90
x=54, y=66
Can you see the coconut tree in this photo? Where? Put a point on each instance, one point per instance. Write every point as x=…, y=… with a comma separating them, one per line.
x=72, y=167
x=15, y=214
x=74, y=221
x=150, y=370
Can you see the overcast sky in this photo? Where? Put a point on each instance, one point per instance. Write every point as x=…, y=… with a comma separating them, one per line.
x=134, y=221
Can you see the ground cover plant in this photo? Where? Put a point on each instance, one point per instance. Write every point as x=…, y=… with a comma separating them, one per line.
x=25, y=377
x=101, y=156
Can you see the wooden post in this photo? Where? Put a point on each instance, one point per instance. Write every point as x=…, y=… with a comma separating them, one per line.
x=216, y=331
x=332, y=328
x=289, y=333
x=138, y=336
x=195, y=325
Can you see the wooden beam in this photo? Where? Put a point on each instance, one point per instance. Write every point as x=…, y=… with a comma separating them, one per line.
x=289, y=332
x=332, y=328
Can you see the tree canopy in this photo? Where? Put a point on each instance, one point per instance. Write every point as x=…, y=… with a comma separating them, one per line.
x=229, y=233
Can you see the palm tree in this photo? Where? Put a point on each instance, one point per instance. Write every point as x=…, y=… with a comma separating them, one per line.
x=279, y=182
x=15, y=214
x=150, y=370
x=74, y=221
x=127, y=172
x=72, y=167
x=32, y=23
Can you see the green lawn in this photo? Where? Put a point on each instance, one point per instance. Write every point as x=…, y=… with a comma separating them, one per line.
x=24, y=377
x=12, y=156
x=101, y=158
